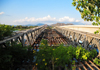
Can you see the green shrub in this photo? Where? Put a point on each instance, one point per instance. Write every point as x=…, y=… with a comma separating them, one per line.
x=93, y=53
x=82, y=53
x=60, y=56
x=43, y=43
x=14, y=55
x=97, y=61
x=5, y=30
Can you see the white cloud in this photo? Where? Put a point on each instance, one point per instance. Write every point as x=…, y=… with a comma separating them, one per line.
x=1, y=13
x=64, y=19
x=77, y=21
x=48, y=20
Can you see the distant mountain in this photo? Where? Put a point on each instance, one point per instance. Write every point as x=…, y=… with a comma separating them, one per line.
x=78, y=23
x=69, y=24
x=61, y=24
x=39, y=24
x=29, y=25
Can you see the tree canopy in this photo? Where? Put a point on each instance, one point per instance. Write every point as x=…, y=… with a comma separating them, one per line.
x=89, y=9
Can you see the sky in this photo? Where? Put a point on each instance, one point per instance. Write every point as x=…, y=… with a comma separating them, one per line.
x=23, y=12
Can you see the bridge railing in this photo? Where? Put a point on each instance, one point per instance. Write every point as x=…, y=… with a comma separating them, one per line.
x=25, y=37
x=87, y=40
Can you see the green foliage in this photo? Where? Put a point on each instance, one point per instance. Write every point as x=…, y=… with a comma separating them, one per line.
x=61, y=55
x=43, y=43
x=73, y=62
x=73, y=65
x=93, y=53
x=20, y=27
x=14, y=55
x=81, y=53
x=5, y=30
x=97, y=61
x=43, y=58
x=49, y=27
x=44, y=55
x=89, y=9
x=96, y=32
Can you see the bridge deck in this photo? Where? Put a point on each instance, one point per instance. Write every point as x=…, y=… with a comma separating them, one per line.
x=53, y=37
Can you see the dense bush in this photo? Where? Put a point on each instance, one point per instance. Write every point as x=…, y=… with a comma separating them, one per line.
x=5, y=30
x=97, y=61
x=14, y=55
x=51, y=57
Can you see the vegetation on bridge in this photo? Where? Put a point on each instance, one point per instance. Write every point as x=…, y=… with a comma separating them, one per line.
x=57, y=57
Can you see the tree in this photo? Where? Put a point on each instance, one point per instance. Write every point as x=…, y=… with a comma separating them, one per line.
x=5, y=30
x=89, y=9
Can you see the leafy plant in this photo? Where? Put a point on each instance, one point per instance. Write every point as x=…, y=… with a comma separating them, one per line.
x=20, y=27
x=96, y=32
x=14, y=55
x=93, y=53
x=81, y=53
x=43, y=43
x=5, y=30
x=56, y=57
x=73, y=65
x=53, y=57
x=97, y=61
x=89, y=9
x=43, y=57
x=60, y=56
